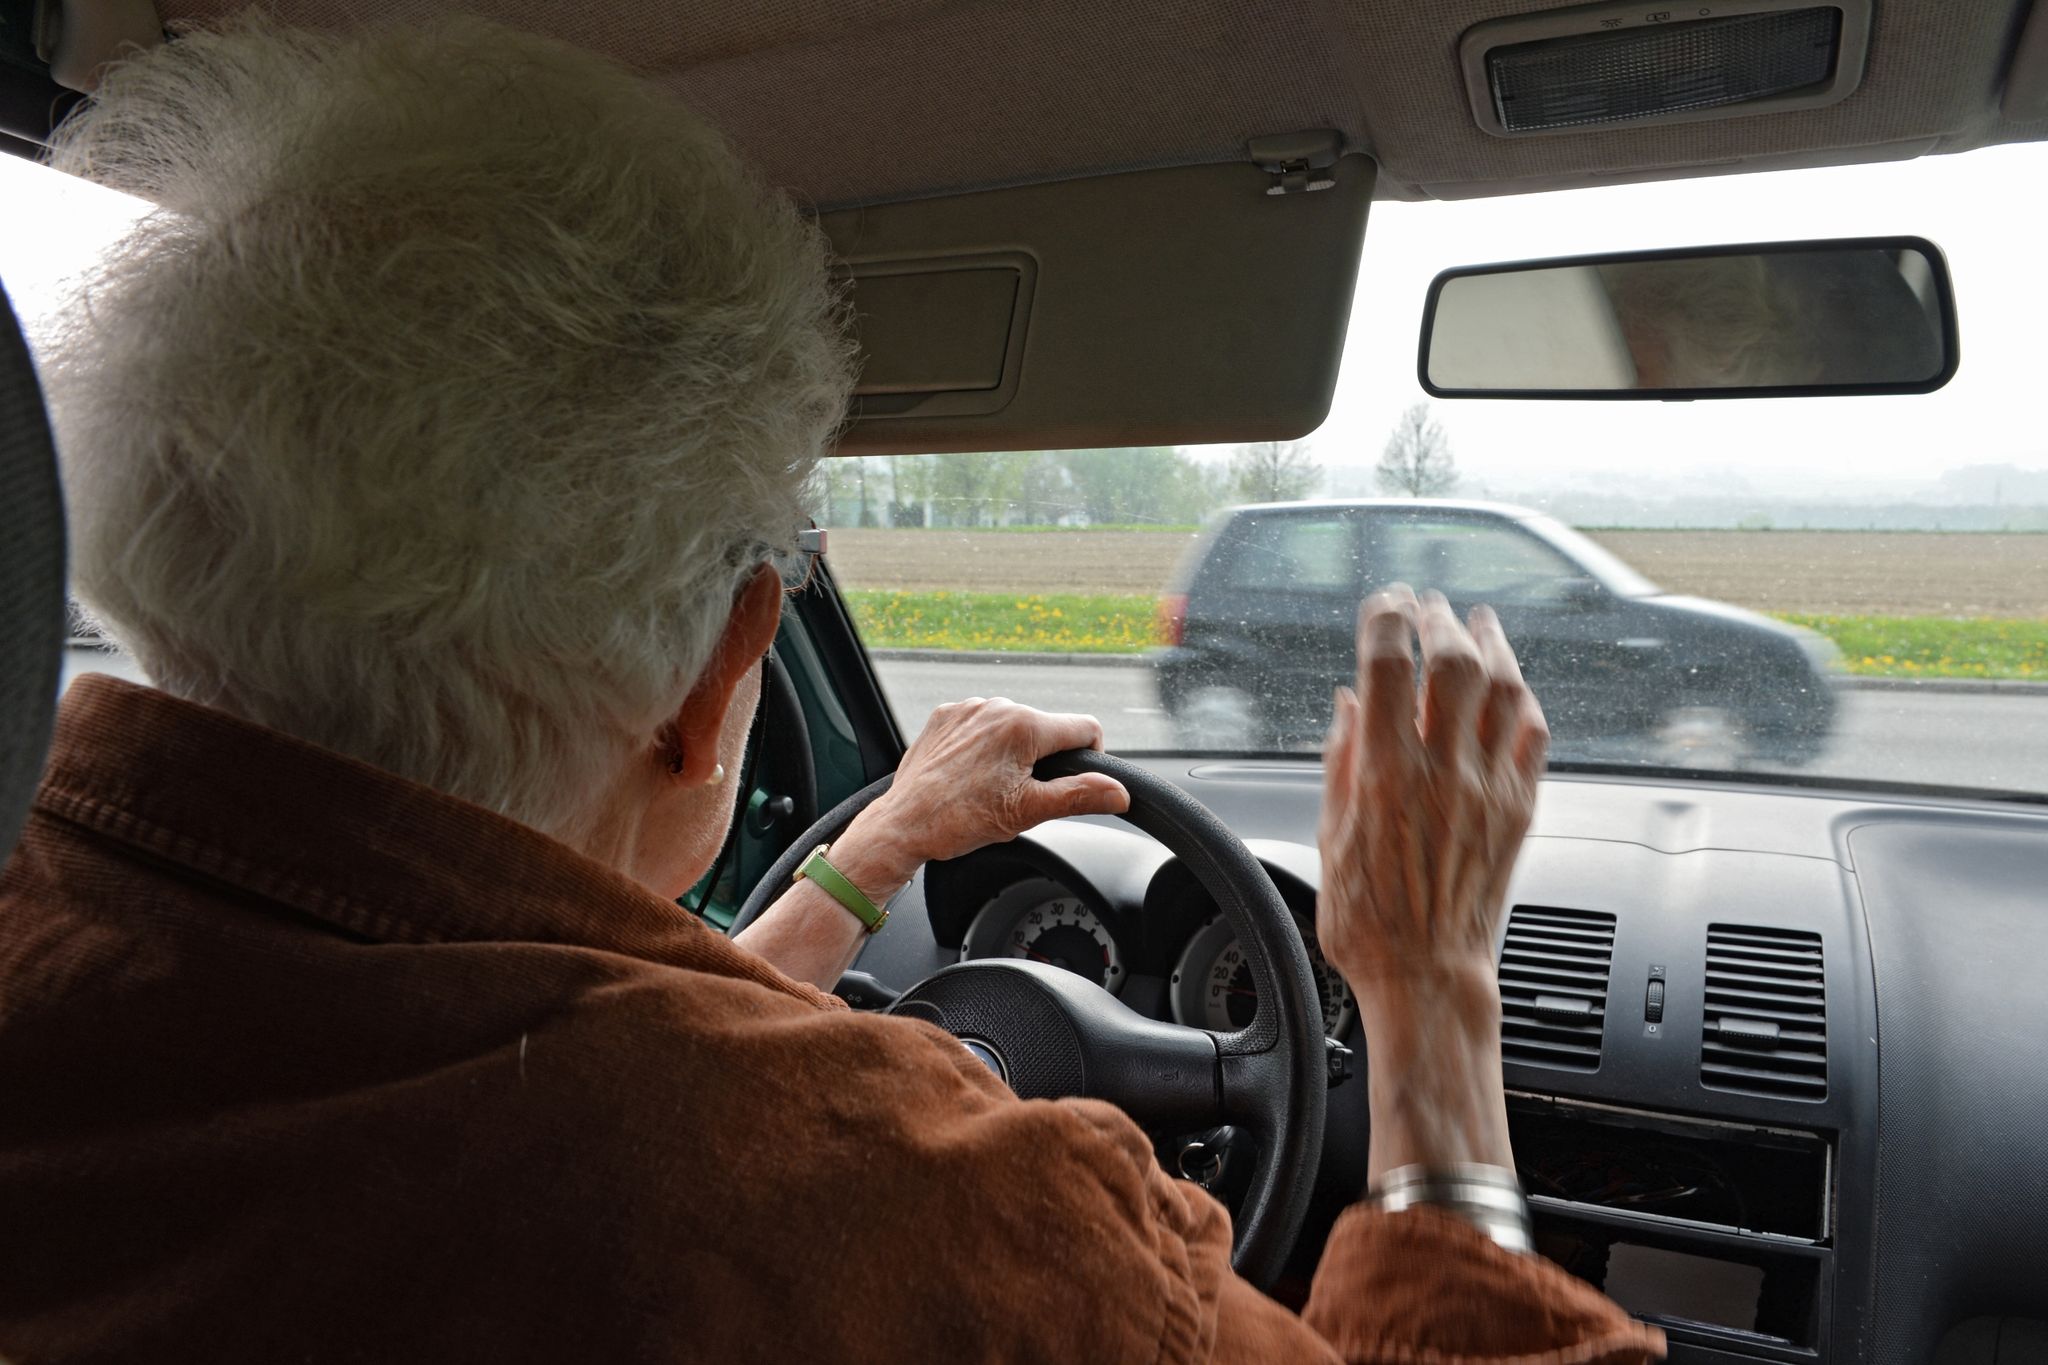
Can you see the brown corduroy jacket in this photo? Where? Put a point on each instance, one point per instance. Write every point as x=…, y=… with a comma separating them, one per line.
x=303, y=1062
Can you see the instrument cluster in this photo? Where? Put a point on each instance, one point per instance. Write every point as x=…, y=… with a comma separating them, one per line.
x=1190, y=969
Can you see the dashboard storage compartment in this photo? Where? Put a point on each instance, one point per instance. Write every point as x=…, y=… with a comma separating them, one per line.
x=1731, y=1177
x=1719, y=1232
x=1741, y=1295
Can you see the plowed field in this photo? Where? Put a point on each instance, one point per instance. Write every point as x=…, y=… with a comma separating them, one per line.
x=1848, y=572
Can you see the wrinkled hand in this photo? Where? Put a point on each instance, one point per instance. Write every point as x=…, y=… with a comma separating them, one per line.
x=1423, y=814
x=967, y=781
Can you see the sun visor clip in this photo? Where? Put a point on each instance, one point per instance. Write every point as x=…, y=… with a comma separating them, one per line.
x=1298, y=162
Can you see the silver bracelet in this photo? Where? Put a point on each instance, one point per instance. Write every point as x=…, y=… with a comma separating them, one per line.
x=1488, y=1197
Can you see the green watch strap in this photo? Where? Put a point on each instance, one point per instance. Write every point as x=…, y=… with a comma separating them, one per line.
x=833, y=883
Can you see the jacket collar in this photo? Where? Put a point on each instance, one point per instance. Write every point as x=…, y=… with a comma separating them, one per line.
x=374, y=854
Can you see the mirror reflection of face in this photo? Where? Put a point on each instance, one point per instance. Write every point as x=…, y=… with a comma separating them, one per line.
x=1737, y=320
x=1710, y=322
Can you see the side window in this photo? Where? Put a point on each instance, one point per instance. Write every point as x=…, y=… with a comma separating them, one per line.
x=1470, y=560
x=1294, y=553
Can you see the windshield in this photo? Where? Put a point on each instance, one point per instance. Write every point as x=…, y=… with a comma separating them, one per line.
x=1838, y=587
x=1841, y=588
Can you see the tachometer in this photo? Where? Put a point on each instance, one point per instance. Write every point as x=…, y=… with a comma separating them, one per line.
x=1043, y=921
x=1213, y=988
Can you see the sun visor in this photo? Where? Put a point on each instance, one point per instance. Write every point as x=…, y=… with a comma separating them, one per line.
x=2026, y=80
x=1158, y=307
x=78, y=38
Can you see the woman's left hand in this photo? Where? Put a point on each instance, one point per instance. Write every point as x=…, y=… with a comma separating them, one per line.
x=967, y=781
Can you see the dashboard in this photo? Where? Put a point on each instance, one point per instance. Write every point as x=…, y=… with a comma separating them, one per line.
x=1774, y=1055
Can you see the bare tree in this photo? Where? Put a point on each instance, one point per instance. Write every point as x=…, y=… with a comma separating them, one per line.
x=1417, y=460
x=1274, y=471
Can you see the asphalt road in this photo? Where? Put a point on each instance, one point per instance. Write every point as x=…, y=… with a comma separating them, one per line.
x=1960, y=739
x=1938, y=738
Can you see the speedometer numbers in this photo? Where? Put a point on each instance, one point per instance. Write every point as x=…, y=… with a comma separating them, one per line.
x=1229, y=1000
x=1066, y=933
x=1038, y=920
x=1213, y=986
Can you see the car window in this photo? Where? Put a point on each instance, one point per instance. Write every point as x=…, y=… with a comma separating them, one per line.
x=1294, y=553
x=1469, y=560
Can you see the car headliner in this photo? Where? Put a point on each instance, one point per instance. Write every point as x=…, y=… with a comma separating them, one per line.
x=893, y=99
x=1135, y=292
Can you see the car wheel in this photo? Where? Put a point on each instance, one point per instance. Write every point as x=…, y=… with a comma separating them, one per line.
x=1711, y=737
x=1218, y=717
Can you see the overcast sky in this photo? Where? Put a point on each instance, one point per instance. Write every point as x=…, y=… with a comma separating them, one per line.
x=1982, y=208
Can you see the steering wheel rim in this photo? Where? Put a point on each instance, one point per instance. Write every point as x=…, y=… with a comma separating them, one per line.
x=1269, y=1075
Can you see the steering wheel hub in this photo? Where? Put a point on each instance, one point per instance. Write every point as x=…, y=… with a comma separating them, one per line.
x=1058, y=1034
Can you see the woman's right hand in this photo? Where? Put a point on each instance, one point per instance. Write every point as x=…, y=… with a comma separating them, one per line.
x=1423, y=814
x=1426, y=797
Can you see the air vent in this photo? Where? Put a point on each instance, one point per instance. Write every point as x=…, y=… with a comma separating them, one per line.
x=1765, y=1029
x=1553, y=987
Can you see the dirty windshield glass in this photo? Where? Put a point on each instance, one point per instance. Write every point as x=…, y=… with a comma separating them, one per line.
x=1844, y=587
x=1841, y=587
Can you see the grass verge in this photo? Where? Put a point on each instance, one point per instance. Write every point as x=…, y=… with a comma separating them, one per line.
x=1073, y=623
x=1059, y=623
x=1936, y=646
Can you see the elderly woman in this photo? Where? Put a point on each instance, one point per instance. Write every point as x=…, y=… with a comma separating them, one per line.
x=432, y=447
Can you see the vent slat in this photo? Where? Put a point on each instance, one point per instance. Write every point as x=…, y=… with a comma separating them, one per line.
x=1587, y=982
x=1790, y=1014
x=1771, y=987
x=1760, y=953
x=1764, y=995
x=1577, y=919
x=1524, y=995
x=1553, y=985
x=1770, y=1087
x=1772, y=938
x=1772, y=1072
x=1568, y=1056
x=1788, y=1039
x=1579, y=950
x=1561, y=933
x=1573, y=962
x=1738, y=1054
x=1577, y=945
x=1790, y=982
x=1565, y=962
x=1574, y=1041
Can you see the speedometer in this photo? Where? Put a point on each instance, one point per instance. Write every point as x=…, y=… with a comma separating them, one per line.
x=1044, y=922
x=1213, y=986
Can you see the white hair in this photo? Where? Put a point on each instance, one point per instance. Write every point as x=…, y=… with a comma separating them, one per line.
x=440, y=409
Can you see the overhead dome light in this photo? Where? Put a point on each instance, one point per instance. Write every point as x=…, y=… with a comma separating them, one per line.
x=1599, y=66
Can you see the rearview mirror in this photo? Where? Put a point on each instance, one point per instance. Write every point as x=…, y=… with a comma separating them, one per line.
x=1852, y=316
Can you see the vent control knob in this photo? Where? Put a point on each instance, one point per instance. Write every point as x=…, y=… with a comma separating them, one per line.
x=1653, y=1001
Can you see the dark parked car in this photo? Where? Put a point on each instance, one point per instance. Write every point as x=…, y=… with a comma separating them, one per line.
x=1259, y=627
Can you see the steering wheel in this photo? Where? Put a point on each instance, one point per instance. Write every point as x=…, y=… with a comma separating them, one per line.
x=1051, y=1033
